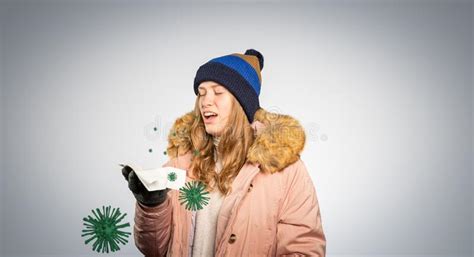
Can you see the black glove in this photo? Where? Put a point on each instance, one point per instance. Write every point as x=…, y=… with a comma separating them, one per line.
x=143, y=196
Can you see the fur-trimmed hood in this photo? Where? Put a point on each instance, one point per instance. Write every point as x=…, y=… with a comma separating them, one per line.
x=279, y=140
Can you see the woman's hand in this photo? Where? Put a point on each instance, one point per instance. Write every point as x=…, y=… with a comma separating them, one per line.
x=143, y=196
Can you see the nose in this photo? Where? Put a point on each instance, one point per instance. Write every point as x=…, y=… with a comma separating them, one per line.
x=207, y=100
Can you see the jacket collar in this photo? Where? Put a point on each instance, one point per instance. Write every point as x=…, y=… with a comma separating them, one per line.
x=279, y=140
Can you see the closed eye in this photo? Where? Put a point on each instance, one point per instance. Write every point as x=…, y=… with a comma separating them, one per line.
x=219, y=91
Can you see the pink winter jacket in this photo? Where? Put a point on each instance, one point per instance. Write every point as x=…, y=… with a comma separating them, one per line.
x=272, y=209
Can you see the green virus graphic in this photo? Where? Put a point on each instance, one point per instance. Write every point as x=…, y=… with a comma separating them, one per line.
x=193, y=195
x=172, y=176
x=104, y=229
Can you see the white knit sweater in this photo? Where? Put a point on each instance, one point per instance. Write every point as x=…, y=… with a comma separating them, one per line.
x=205, y=220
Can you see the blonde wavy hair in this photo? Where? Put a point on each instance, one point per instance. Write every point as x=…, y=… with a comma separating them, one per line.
x=235, y=141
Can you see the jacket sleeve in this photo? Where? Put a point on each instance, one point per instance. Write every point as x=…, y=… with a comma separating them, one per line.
x=299, y=229
x=152, y=228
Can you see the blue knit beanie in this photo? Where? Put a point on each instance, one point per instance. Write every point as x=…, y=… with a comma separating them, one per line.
x=240, y=74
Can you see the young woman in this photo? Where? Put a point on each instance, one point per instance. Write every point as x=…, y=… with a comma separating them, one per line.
x=262, y=199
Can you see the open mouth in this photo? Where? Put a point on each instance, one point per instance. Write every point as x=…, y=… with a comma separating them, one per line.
x=209, y=117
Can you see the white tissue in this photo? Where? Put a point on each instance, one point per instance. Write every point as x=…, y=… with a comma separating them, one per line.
x=159, y=178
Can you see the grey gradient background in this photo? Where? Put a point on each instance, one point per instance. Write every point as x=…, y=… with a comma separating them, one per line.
x=383, y=88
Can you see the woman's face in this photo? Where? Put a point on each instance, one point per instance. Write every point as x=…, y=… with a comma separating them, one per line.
x=215, y=103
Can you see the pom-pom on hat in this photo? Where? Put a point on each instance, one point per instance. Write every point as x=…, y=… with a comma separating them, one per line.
x=240, y=74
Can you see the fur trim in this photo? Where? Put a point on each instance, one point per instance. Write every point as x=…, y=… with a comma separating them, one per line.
x=278, y=143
